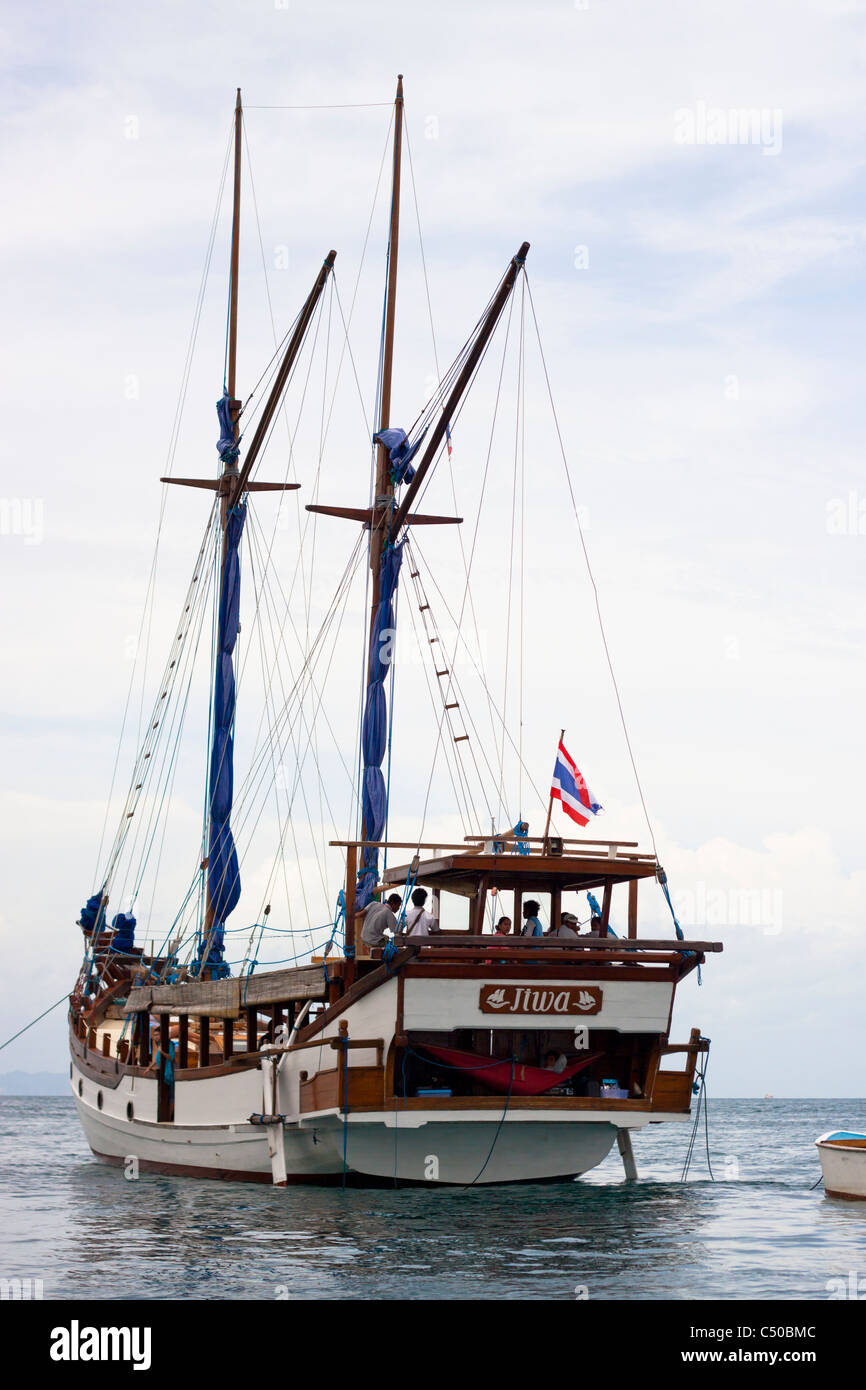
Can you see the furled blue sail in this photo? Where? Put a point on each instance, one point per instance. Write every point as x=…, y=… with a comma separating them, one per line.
x=374, y=733
x=124, y=932
x=223, y=875
x=227, y=445
x=400, y=452
x=92, y=917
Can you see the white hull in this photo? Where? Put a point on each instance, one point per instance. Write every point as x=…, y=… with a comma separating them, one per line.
x=339, y=1105
x=376, y=1148
x=844, y=1167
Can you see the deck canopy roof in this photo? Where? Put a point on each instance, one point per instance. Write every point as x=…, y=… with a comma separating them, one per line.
x=465, y=872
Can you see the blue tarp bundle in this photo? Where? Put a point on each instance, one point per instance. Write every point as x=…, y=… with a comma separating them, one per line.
x=124, y=932
x=214, y=958
x=227, y=445
x=223, y=877
x=400, y=452
x=93, y=914
x=374, y=734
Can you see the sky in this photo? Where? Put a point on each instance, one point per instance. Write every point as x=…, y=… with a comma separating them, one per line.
x=690, y=178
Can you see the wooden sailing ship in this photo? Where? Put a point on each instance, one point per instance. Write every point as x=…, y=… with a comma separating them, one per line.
x=422, y=1062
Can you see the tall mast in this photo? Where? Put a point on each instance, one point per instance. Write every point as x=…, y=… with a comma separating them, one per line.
x=387, y=521
x=230, y=472
x=383, y=499
x=384, y=492
x=232, y=485
x=236, y=241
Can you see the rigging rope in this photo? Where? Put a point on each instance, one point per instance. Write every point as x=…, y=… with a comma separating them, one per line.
x=174, y=437
x=590, y=573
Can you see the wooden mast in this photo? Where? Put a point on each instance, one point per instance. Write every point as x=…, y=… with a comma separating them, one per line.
x=230, y=469
x=234, y=481
x=383, y=500
x=233, y=284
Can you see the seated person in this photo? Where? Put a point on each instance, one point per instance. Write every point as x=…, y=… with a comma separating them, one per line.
x=568, y=925
x=502, y=928
x=555, y=1061
x=420, y=922
x=380, y=918
x=531, y=925
x=596, y=927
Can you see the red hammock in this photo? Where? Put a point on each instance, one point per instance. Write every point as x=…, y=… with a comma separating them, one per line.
x=527, y=1081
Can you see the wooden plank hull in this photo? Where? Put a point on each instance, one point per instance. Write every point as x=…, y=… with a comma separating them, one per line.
x=366, y=1093
x=212, y=1137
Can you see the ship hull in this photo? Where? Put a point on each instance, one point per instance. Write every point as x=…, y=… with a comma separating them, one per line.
x=398, y=1078
x=376, y=1149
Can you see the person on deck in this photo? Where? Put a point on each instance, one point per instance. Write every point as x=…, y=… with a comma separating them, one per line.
x=555, y=1061
x=531, y=924
x=568, y=925
x=380, y=918
x=596, y=927
x=502, y=928
x=420, y=922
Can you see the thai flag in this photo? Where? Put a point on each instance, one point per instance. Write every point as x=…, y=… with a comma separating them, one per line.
x=569, y=787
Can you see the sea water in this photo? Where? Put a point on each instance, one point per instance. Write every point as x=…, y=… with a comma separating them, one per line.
x=759, y=1230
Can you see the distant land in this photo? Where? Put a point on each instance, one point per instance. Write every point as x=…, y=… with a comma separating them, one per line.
x=33, y=1083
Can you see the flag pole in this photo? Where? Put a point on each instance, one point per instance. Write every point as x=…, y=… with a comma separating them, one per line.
x=544, y=843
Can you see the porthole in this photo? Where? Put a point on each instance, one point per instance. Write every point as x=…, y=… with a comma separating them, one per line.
x=80, y=1087
x=70, y=1071
x=130, y=1112
x=99, y=1100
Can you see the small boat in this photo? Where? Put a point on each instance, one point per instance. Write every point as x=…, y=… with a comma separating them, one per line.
x=843, y=1163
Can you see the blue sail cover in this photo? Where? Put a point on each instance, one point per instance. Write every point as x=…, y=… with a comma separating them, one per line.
x=223, y=876
x=374, y=733
x=124, y=932
x=227, y=446
x=92, y=917
x=400, y=452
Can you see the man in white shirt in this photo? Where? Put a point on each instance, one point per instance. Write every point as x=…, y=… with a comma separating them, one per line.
x=380, y=918
x=420, y=922
x=568, y=926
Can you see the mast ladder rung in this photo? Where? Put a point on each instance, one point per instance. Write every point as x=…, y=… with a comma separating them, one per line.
x=422, y=607
x=461, y=738
x=433, y=639
x=413, y=574
x=455, y=705
x=443, y=673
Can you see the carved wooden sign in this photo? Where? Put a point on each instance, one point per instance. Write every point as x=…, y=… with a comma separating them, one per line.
x=535, y=999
